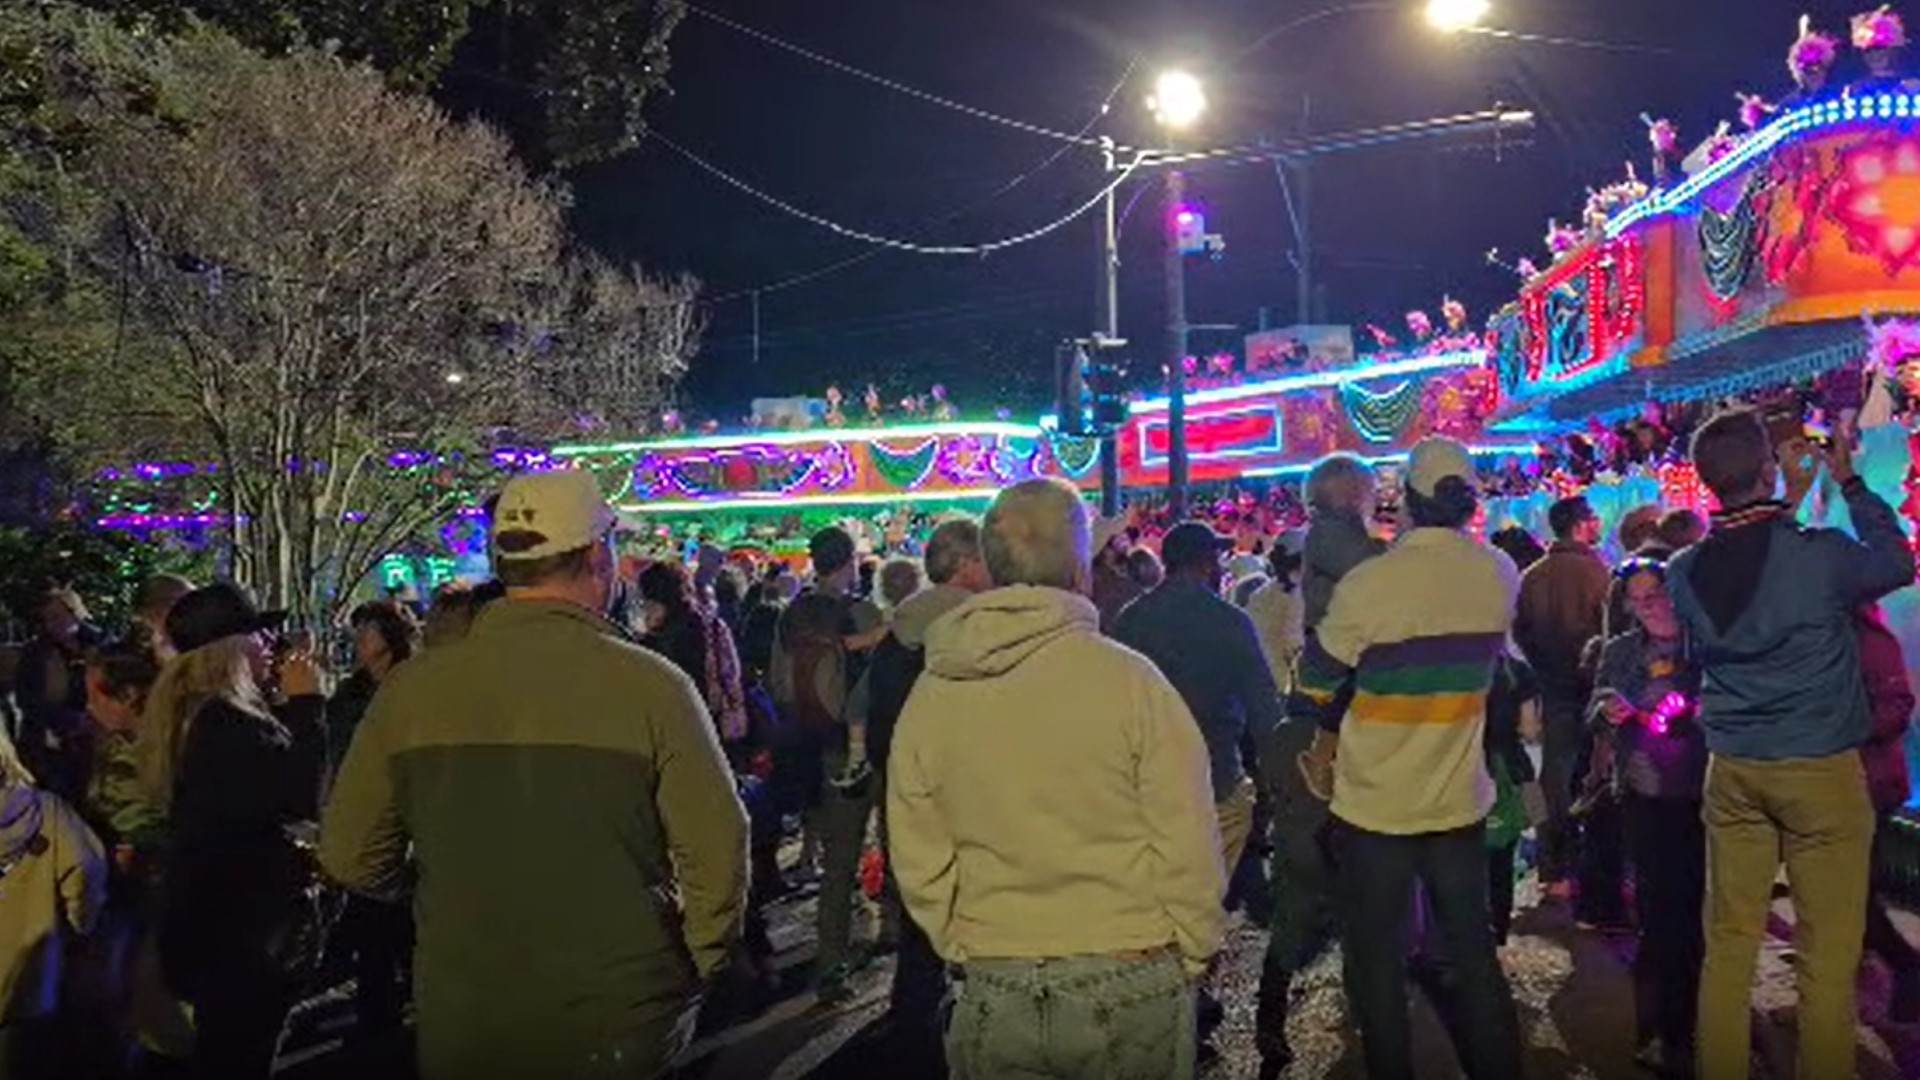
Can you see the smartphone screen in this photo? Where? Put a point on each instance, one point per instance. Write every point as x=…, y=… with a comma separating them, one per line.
x=1783, y=425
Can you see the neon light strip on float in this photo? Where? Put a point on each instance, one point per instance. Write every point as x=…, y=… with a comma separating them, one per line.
x=1512, y=449
x=1839, y=111
x=802, y=438
x=1409, y=366
x=777, y=502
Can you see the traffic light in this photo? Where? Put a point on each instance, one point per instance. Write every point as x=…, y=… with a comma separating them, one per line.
x=1070, y=388
x=1106, y=381
x=1190, y=230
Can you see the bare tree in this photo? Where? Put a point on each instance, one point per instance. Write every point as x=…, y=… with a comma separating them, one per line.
x=352, y=291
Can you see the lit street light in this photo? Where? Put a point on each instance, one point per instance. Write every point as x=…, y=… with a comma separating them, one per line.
x=1178, y=100
x=1453, y=16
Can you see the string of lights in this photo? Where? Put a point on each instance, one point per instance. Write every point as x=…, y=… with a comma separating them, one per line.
x=891, y=84
x=894, y=243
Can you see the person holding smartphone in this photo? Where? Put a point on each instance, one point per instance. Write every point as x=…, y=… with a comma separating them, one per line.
x=1768, y=606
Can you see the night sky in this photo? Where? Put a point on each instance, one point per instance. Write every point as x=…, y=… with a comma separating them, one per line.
x=1396, y=227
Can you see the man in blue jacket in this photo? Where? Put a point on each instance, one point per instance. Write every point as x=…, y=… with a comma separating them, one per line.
x=1768, y=605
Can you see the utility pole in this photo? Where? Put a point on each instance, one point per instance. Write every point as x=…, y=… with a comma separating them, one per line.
x=1107, y=303
x=1176, y=347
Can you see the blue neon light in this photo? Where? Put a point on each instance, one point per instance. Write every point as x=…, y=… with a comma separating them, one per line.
x=1801, y=119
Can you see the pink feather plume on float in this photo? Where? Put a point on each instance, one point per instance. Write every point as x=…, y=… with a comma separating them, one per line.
x=1560, y=238
x=1812, y=51
x=1420, y=324
x=1881, y=29
x=1754, y=110
x=1892, y=343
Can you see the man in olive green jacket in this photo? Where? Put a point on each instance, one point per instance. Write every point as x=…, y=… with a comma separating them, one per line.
x=578, y=847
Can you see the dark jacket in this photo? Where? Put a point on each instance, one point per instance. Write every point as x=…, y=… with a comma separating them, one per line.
x=234, y=873
x=1112, y=591
x=582, y=851
x=682, y=639
x=1336, y=543
x=345, y=710
x=1883, y=665
x=897, y=664
x=1769, y=606
x=1562, y=598
x=1652, y=765
x=1514, y=684
x=1208, y=650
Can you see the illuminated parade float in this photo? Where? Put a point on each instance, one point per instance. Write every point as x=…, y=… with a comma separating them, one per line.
x=1778, y=260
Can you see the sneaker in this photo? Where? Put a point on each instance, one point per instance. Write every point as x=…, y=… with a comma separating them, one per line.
x=1652, y=1055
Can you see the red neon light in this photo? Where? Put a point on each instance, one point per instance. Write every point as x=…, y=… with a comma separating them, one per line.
x=1211, y=435
x=1610, y=324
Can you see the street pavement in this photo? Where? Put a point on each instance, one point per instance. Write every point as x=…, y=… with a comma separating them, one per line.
x=1573, y=988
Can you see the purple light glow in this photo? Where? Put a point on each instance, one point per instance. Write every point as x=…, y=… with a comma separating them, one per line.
x=1671, y=708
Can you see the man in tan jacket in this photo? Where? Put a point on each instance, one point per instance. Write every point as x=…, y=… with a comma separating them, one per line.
x=1051, y=819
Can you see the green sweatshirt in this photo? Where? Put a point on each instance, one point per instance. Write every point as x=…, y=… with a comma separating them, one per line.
x=579, y=851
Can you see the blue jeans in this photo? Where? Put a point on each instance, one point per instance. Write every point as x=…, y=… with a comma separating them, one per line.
x=1082, y=1018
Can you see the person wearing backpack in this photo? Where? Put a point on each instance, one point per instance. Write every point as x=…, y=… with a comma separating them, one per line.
x=812, y=670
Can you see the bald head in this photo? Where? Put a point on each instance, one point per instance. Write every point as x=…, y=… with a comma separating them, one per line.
x=1036, y=533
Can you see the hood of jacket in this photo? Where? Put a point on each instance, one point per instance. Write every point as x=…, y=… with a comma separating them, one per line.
x=917, y=613
x=20, y=815
x=997, y=631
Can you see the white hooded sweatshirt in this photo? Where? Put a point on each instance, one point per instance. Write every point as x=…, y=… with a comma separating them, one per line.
x=1048, y=792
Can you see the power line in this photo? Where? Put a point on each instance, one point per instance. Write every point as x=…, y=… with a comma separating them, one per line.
x=891, y=84
x=783, y=284
x=893, y=243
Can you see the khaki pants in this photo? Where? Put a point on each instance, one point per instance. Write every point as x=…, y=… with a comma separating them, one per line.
x=1815, y=815
x=1235, y=812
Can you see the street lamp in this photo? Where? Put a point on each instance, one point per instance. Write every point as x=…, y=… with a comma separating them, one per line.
x=1178, y=100
x=1453, y=16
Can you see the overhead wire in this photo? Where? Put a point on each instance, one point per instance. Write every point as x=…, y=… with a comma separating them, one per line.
x=973, y=250
x=894, y=85
x=1106, y=106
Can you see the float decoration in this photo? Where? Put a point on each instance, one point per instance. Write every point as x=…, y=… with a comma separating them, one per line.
x=1811, y=57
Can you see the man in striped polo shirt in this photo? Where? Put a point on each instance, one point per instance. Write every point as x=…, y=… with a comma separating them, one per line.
x=1412, y=636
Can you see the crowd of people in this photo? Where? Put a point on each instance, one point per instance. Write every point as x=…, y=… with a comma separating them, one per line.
x=555, y=806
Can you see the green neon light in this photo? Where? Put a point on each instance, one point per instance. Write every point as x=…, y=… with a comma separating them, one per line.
x=813, y=437
x=702, y=506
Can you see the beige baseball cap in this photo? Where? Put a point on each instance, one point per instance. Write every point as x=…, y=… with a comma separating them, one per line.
x=550, y=513
x=1434, y=459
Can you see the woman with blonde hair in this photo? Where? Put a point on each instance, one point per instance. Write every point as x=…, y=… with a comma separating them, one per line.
x=235, y=779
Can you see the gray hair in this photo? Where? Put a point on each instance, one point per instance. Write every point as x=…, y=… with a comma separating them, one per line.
x=1037, y=533
x=1337, y=480
x=952, y=544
